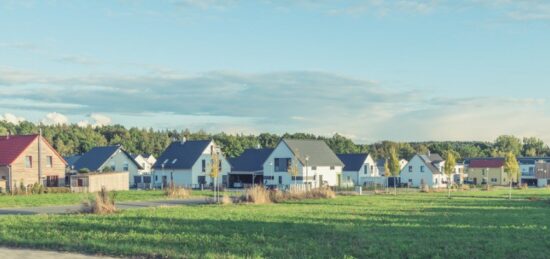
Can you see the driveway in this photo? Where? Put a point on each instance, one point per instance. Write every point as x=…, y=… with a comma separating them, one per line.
x=14, y=253
x=120, y=205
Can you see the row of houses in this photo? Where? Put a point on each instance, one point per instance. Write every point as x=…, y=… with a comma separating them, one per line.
x=26, y=160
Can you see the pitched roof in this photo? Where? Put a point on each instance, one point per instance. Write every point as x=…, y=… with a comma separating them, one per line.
x=71, y=160
x=353, y=162
x=97, y=156
x=11, y=147
x=435, y=158
x=317, y=151
x=487, y=163
x=250, y=160
x=181, y=155
x=426, y=159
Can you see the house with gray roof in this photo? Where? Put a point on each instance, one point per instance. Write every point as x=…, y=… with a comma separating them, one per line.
x=247, y=169
x=188, y=164
x=316, y=164
x=359, y=169
x=424, y=170
x=108, y=158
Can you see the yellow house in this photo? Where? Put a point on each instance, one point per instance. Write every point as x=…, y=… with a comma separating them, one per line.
x=491, y=170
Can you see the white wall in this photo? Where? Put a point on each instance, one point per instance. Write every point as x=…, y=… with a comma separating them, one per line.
x=366, y=172
x=118, y=161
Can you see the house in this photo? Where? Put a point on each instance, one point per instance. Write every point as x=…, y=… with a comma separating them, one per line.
x=143, y=177
x=108, y=158
x=542, y=169
x=94, y=182
x=487, y=170
x=188, y=163
x=71, y=160
x=29, y=159
x=424, y=170
x=359, y=169
x=317, y=164
x=528, y=171
x=459, y=174
x=247, y=169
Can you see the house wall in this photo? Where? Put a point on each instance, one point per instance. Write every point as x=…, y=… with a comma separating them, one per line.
x=417, y=177
x=480, y=174
x=363, y=176
x=309, y=175
x=118, y=161
x=527, y=171
x=29, y=176
x=117, y=181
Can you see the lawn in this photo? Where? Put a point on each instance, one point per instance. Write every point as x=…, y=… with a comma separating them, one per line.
x=7, y=201
x=474, y=224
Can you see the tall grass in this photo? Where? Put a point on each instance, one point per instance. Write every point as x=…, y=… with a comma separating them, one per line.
x=102, y=203
x=175, y=192
x=259, y=195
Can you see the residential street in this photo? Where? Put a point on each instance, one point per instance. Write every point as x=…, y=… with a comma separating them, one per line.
x=120, y=205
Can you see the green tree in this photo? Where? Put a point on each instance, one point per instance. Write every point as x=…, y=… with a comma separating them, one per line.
x=449, y=168
x=395, y=168
x=533, y=147
x=511, y=167
x=215, y=171
x=505, y=144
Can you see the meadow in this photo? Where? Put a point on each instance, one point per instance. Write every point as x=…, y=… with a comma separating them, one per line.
x=474, y=224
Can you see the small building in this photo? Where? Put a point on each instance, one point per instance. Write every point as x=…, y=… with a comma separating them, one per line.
x=487, y=170
x=542, y=169
x=143, y=178
x=528, y=171
x=247, y=169
x=317, y=164
x=94, y=182
x=29, y=159
x=108, y=159
x=424, y=170
x=359, y=169
x=187, y=164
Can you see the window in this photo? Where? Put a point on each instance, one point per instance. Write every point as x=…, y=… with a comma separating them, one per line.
x=366, y=169
x=410, y=181
x=281, y=164
x=174, y=161
x=422, y=169
x=494, y=180
x=314, y=168
x=269, y=177
x=298, y=178
x=125, y=167
x=280, y=179
x=147, y=179
x=332, y=168
x=49, y=161
x=220, y=165
x=348, y=178
x=201, y=179
x=410, y=169
x=52, y=181
x=203, y=165
x=28, y=162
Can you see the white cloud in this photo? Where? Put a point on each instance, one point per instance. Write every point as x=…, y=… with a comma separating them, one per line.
x=11, y=118
x=79, y=60
x=55, y=118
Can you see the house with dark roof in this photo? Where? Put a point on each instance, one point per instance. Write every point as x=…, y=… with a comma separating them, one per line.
x=247, y=169
x=29, y=159
x=359, y=169
x=424, y=170
x=316, y=163
x=188, y=164
x=487, y=170
x=143, y=177
x=109, y=158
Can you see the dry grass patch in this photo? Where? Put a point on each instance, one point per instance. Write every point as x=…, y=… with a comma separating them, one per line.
x=175, y=192
x=257, y=195
x=102, y=203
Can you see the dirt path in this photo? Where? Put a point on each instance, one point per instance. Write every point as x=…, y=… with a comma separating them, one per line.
x=120, y=205
x=14, y=253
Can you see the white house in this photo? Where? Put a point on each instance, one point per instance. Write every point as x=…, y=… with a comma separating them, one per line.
x=142, y=179
x=188, y=164
x=424, y=170
x=247, y=169
x=403, y=163
x=317, y=164
x=108, y=158
x=359, y=169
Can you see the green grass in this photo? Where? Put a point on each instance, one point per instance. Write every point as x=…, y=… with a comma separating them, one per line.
x=7, y=201
x=473, y=224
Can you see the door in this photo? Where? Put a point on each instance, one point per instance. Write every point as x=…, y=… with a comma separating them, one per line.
x=475, y=180
x=52, y=181
x=137, y=180
x=280, y=179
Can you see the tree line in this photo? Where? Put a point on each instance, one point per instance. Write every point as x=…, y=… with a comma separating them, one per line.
x=73, y=139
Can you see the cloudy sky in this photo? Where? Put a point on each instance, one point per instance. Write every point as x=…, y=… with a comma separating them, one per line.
x=370, y=70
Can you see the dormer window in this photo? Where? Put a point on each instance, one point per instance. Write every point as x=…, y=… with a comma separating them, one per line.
x=174, y=161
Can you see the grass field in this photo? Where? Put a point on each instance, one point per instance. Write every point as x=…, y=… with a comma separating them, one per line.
x=7, y=201
x=473, y=224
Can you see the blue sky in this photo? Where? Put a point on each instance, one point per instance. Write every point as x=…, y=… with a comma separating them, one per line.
x=370, y=70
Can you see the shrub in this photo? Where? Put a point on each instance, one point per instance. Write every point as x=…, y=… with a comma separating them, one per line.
x=177, y=192
x=102, y=203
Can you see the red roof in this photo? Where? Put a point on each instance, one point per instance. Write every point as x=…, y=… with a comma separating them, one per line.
x=11, y=147
x=487, y=163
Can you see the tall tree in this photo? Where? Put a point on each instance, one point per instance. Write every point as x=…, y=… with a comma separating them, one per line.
x=394, y=167
x=511, y=167
x=215, y=171
x=533, y=147
x=449, y=168
x=505, y=144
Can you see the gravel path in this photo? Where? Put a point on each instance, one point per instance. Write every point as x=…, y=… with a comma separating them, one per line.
x=14, y=253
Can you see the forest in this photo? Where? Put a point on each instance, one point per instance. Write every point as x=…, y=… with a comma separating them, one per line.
x=73, y=139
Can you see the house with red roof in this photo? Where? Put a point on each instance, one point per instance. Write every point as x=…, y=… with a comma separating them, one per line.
x=487, y=170
x=28, y=159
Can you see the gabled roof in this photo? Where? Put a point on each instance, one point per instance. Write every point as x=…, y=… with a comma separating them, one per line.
x=317, y=152
x=181, y=155
x=430, y=164
x=435, y=158
x=11, y=147
x=250, y=160
x=487, y=163
x=97, y=156
x=353, y=162
x=71, y=160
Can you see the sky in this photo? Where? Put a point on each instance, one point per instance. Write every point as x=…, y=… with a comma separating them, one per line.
x=402, y=70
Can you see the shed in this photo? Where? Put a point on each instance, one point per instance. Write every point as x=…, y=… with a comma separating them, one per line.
x=93, y=182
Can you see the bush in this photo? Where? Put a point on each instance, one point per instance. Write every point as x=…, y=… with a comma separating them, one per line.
x=102, y=203
x=177, y=192
x=257, y=195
